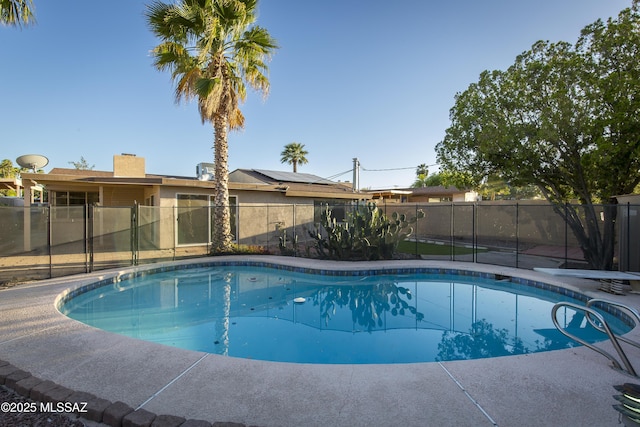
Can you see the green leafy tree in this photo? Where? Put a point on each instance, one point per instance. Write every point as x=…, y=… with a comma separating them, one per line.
x=16, y=12
x=563, y=118
x=82, y=164
x=7, y=170
x=457, y=178
x=294, y=154
x=214, y=50
x=496, y=188
x=434, y=180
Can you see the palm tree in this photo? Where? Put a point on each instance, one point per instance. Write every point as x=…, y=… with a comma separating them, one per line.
x=422, y=171
x=16, y=12
x=293, y=154
x=421, y=181
x=213, y=50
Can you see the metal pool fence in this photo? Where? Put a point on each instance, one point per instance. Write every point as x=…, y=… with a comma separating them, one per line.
x=50, y=241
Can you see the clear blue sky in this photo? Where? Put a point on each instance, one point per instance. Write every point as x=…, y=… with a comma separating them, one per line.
x=353, y=78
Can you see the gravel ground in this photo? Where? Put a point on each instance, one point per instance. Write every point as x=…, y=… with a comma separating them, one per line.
x=29, y=419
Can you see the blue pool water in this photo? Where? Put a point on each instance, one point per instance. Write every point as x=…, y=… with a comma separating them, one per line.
x=251, y=312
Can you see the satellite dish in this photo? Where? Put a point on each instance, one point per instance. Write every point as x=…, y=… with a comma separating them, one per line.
x=33, y=161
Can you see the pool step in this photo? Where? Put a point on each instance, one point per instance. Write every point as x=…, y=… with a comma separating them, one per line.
x=629, y=407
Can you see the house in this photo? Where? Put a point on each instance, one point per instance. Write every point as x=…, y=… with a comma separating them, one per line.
x=129, y=184
x=432, y=194
x=261, y=200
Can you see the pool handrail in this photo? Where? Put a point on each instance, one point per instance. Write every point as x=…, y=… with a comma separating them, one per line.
x=605, y=328
x=629, y=310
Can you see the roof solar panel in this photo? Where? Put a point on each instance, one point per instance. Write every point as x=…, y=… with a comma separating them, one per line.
x=305, y=178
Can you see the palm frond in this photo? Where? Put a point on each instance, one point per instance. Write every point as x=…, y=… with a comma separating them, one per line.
x=170, y=55
x=212, y=51
x=185, y=83
x=16, y=12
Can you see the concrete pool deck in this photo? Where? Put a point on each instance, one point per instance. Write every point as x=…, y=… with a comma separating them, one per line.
x=572, y=387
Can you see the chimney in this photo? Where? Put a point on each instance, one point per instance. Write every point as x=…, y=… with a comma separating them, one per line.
x=128, y=166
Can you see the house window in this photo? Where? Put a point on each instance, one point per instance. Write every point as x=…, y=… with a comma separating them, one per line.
x=74, y=198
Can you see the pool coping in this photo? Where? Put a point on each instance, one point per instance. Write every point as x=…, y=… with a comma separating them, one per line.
x=563, y=387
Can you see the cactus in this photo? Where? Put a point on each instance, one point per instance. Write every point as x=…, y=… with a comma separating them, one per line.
x=367, y=233
x=283, y=243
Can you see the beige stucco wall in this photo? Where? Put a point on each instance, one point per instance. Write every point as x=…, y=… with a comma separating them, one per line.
x=264, y=217
x=122, y=195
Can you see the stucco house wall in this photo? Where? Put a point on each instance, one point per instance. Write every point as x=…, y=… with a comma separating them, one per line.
x=263, y=217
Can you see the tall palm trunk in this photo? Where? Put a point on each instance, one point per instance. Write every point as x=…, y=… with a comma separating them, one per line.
x=222, y=214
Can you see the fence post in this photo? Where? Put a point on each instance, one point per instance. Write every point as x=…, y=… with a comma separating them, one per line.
x=91, y=214
x=517, y=234
x=474, y=237
x=174, y=221
x=49, y=240
x=132, y=232
x=452, y=240
x=566, y=234
x=628, y=238
x=136, y=224
x=415, y=236
x=86, y=237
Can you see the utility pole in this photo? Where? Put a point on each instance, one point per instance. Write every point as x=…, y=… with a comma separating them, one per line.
x=356, y=175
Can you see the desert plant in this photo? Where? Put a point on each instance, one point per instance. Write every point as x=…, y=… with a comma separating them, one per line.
x=367, y=233
x=283, y=244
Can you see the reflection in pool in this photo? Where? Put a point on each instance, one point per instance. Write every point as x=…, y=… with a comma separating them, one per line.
x=249, y=312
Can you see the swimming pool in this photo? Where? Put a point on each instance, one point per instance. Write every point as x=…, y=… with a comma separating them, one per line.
x=272, y=312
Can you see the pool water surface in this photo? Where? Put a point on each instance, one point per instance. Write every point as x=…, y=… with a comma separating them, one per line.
x=287, y=316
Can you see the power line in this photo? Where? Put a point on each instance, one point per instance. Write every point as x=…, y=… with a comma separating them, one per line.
x=332, y=177
x=394, y=169
x=339, y=174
